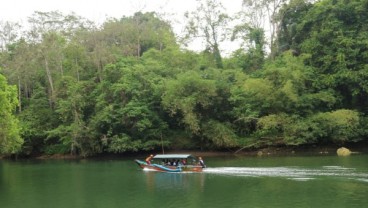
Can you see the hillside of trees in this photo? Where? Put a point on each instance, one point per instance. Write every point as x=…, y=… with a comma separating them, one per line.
x=68, y=86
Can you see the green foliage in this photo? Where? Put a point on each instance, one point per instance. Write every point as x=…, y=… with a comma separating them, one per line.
x=272, y=128
x=254, y=43
x=123, y=143
x=337, y=126
x=188, y=94
x=340, y=125
x=289, y=35
x=72, y=131
x=220, y=135
x=136, y=34
x=283, y=86
x=10, y=140
x=128, y=85
x=334, y=34
x=36, y=120
x=126, y=109
x=208, y=22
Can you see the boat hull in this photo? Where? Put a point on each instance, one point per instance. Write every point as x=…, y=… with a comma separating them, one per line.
x=164, y=168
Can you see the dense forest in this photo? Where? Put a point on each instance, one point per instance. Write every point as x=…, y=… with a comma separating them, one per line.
x=299, y=77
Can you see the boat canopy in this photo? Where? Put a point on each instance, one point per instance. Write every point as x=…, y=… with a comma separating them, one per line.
x=173, y=156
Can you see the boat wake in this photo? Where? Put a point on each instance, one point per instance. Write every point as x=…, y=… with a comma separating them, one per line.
x=293, y=173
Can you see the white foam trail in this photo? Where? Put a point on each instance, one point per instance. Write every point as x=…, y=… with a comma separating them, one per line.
x=301, y=179
x=362, y=179
x=337, y=168
x=295, y=173
x=148, y=169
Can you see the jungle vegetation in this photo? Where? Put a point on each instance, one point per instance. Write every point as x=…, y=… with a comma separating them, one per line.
x=68, y=86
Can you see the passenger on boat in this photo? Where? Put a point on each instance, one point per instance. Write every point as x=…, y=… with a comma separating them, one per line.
x=148, y=159
x=170, y=162
x=201, y=162
x=181, y=162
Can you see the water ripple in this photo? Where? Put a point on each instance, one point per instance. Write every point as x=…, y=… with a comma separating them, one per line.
x=293, y=173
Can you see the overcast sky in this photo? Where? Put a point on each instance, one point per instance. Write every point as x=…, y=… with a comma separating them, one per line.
x=99, y=10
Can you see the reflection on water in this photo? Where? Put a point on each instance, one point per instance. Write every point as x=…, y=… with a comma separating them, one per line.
x=161, y=180
x=294, y=173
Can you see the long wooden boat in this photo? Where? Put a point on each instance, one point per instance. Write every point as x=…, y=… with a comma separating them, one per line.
x=172, y=163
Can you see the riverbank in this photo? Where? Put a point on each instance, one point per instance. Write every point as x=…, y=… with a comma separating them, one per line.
x=281, y=150
x=328, y=149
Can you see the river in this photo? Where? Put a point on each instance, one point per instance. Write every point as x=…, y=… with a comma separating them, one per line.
x=254, y=182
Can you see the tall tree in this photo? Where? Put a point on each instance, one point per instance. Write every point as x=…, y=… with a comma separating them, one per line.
x=70, y=106
x=9, y=32
x=51, y=54
x=55, y=21
x=37, y=119
x=209, y=22
x=289, y=36
x=21, y=68
x=268, y=9
x=334, y=33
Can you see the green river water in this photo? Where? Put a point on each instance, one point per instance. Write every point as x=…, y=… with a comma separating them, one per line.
x=254, y=182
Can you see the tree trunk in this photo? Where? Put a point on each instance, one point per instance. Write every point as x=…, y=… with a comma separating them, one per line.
x=217, y=56
x=49, y=77
x=19, y=94
x=139, y=48
x=76, y=65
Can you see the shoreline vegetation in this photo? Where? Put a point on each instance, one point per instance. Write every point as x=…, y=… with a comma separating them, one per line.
x=272, y=151
x=71, y=87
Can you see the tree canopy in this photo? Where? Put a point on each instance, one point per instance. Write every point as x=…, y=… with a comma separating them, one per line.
x=10, y=140
x=128, y=85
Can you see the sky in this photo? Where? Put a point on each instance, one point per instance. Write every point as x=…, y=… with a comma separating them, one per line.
x=99, y=10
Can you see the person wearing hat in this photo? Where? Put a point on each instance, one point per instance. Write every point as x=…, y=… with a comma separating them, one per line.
x=148, y=159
